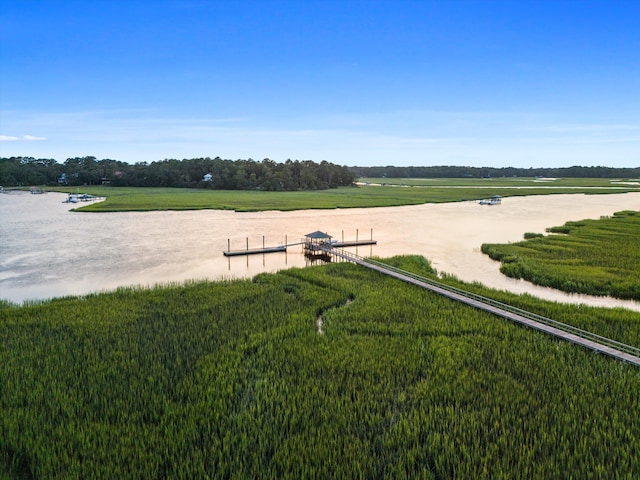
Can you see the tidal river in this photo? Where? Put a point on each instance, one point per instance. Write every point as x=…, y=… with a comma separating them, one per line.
x=47, y=251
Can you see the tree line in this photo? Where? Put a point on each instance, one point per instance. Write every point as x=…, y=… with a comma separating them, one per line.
x=217, y=173
x=214, y=173
x=390, y=171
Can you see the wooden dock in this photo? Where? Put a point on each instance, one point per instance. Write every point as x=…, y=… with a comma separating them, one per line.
x=254, y=251
x=353, y=243
x=597, y=343
x=312, y=245
x=320, y=244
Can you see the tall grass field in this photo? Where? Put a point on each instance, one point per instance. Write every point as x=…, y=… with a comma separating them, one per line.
x=369, y=193
x=596, y=257
x=331, y=371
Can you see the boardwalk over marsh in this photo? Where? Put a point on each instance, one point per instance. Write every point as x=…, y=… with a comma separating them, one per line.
x=597, y=343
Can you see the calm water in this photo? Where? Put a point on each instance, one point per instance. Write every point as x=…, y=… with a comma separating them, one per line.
x=47, y=251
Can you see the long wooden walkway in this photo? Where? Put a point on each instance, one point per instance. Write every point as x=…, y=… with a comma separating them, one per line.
x=626, y=353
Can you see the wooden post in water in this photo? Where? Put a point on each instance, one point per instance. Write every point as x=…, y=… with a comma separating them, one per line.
x=247, y=244
x=343, y=235
x=228, y=244
x=356, y=234
x=372, y=234
x=262, y=242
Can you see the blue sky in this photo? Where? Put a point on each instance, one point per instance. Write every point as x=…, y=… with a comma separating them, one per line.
x=377, y=82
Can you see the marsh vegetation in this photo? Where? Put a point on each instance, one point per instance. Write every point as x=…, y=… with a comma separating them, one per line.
x=372, y=195
x=595, y=257
x=232, y=379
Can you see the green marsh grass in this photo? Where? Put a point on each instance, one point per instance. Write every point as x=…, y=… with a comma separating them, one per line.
x=231, y=379
x=511, y=182
x=434, y=191
x=596, y=257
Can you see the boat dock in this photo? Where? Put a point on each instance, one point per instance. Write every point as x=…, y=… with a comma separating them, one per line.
x=354, y=243
x=319, y=245
x=254, y=251
x=312, y=244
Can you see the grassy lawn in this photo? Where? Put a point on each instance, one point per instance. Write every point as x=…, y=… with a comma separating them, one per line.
x=413, y=191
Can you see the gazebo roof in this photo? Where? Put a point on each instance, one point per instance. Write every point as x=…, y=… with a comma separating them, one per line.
x=317, y=235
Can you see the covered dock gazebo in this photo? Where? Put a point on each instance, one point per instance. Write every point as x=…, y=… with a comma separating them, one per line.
x=314, y=243
x=317, y=238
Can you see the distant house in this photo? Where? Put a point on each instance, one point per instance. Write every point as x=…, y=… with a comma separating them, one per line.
x=207, y=178
x=63, y=179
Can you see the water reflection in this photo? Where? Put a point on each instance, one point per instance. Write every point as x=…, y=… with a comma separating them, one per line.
x=47, y=251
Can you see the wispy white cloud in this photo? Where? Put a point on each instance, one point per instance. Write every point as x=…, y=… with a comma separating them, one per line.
x=23, y=138
x=589, y=128
x=403, y=137
x=583, y=134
